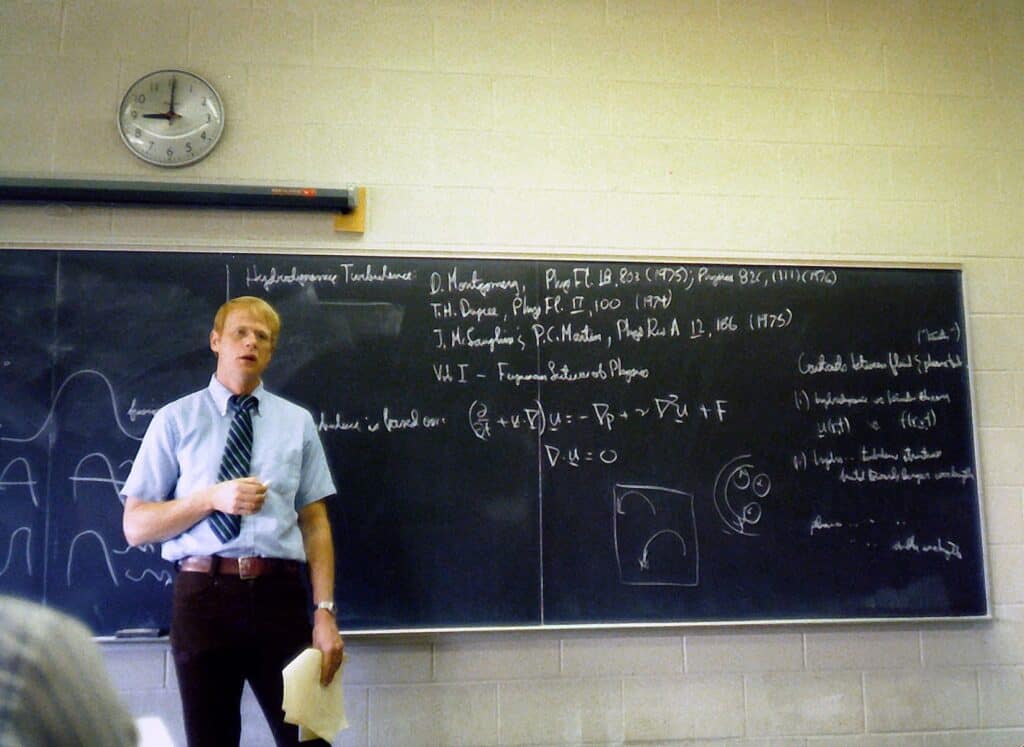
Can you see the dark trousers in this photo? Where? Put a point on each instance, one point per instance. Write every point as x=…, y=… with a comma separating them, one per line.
x=226, y=631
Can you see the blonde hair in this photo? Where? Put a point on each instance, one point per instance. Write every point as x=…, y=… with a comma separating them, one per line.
x=255, y=306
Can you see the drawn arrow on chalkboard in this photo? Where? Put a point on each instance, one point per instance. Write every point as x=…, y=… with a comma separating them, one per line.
x=621, y=499
x=644, y=561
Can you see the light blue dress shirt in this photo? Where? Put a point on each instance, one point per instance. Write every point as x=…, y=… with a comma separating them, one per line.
x=181, y=453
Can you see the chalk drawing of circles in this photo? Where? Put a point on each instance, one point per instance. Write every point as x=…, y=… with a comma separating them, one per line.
x=739, y=481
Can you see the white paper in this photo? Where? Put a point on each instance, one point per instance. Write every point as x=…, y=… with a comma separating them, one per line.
x=153, y=732
x=318, y=711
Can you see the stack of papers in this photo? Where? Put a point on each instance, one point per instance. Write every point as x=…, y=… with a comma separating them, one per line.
x=318, y=711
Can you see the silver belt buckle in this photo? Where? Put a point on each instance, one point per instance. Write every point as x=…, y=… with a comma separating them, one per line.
x=248, y=568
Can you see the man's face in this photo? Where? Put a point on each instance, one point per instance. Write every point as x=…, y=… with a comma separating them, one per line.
x=243, y=347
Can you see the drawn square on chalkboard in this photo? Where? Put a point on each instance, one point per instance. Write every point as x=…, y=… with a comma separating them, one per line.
x=655, y=536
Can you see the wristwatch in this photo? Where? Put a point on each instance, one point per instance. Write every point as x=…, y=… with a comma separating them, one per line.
x=328, y=605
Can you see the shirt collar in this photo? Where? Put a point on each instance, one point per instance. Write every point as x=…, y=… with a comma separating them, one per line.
x=221, y=394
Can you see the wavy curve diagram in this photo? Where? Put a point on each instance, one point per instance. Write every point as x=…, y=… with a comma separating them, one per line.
x=56, y=399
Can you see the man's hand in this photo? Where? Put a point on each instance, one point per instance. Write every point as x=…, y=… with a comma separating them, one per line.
x=328, y=640
x=316, y=538
x=158, y=521
x=244, y=496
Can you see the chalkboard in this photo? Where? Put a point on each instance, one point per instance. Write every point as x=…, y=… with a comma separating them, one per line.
x=520, y=442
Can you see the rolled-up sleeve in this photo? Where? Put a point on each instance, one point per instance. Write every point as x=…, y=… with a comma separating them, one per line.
x=155, y=471
x=315, y=482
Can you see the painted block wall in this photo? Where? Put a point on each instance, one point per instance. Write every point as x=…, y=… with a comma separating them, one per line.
x=866, y=130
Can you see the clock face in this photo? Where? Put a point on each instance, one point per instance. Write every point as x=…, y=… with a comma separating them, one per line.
x=171, y=118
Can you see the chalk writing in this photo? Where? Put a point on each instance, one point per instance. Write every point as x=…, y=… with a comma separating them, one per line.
x=558, y=372
x=388, y=420
x=745, y=421
x=819, y=524
x=947, y=549
x=268, y=279
x=894, y=364
x=574, y=456
x=604, y=416
x=453, y=282
x=944, y=334
x=370, y=274
x=135, y=412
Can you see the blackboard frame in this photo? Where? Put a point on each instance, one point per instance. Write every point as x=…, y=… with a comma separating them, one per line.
x=754, y=261
x=640, y=260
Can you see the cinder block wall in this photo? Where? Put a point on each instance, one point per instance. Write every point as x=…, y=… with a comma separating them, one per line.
x=815, y=129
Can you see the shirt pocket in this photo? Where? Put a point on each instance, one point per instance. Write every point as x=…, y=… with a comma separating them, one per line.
x=285, y=474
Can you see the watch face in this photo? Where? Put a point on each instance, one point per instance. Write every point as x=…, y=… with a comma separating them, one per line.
x=171, y=118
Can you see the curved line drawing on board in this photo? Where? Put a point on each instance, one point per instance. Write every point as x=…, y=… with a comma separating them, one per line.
x=103, y=546
x=654, y=534
x=164, y=576
x=111, y=480
x=28, y=482
x=147, y=548
x=644, y=561
x=622, y=498
x=56, y=398
x=28, y=550
x=738, y=476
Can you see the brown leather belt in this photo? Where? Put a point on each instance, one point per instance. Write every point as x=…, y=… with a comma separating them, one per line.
x=245, y=568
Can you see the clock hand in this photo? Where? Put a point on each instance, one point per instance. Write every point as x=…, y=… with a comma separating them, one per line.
x=170, y=107
x=168, y=116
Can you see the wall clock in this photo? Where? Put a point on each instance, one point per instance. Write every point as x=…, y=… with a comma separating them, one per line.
x=171, y=118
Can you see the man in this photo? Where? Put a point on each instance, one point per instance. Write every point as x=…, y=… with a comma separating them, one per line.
x=235, y=490
x=54, y=689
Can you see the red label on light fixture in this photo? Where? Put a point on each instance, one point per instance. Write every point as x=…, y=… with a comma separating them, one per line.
x=293, y=191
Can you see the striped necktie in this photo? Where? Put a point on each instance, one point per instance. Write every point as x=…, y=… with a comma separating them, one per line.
x=235, y=462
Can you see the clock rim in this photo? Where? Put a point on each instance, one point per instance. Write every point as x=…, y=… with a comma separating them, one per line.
x=164, y=164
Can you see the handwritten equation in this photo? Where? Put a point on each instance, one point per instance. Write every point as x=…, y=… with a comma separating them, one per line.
x=603, y=416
